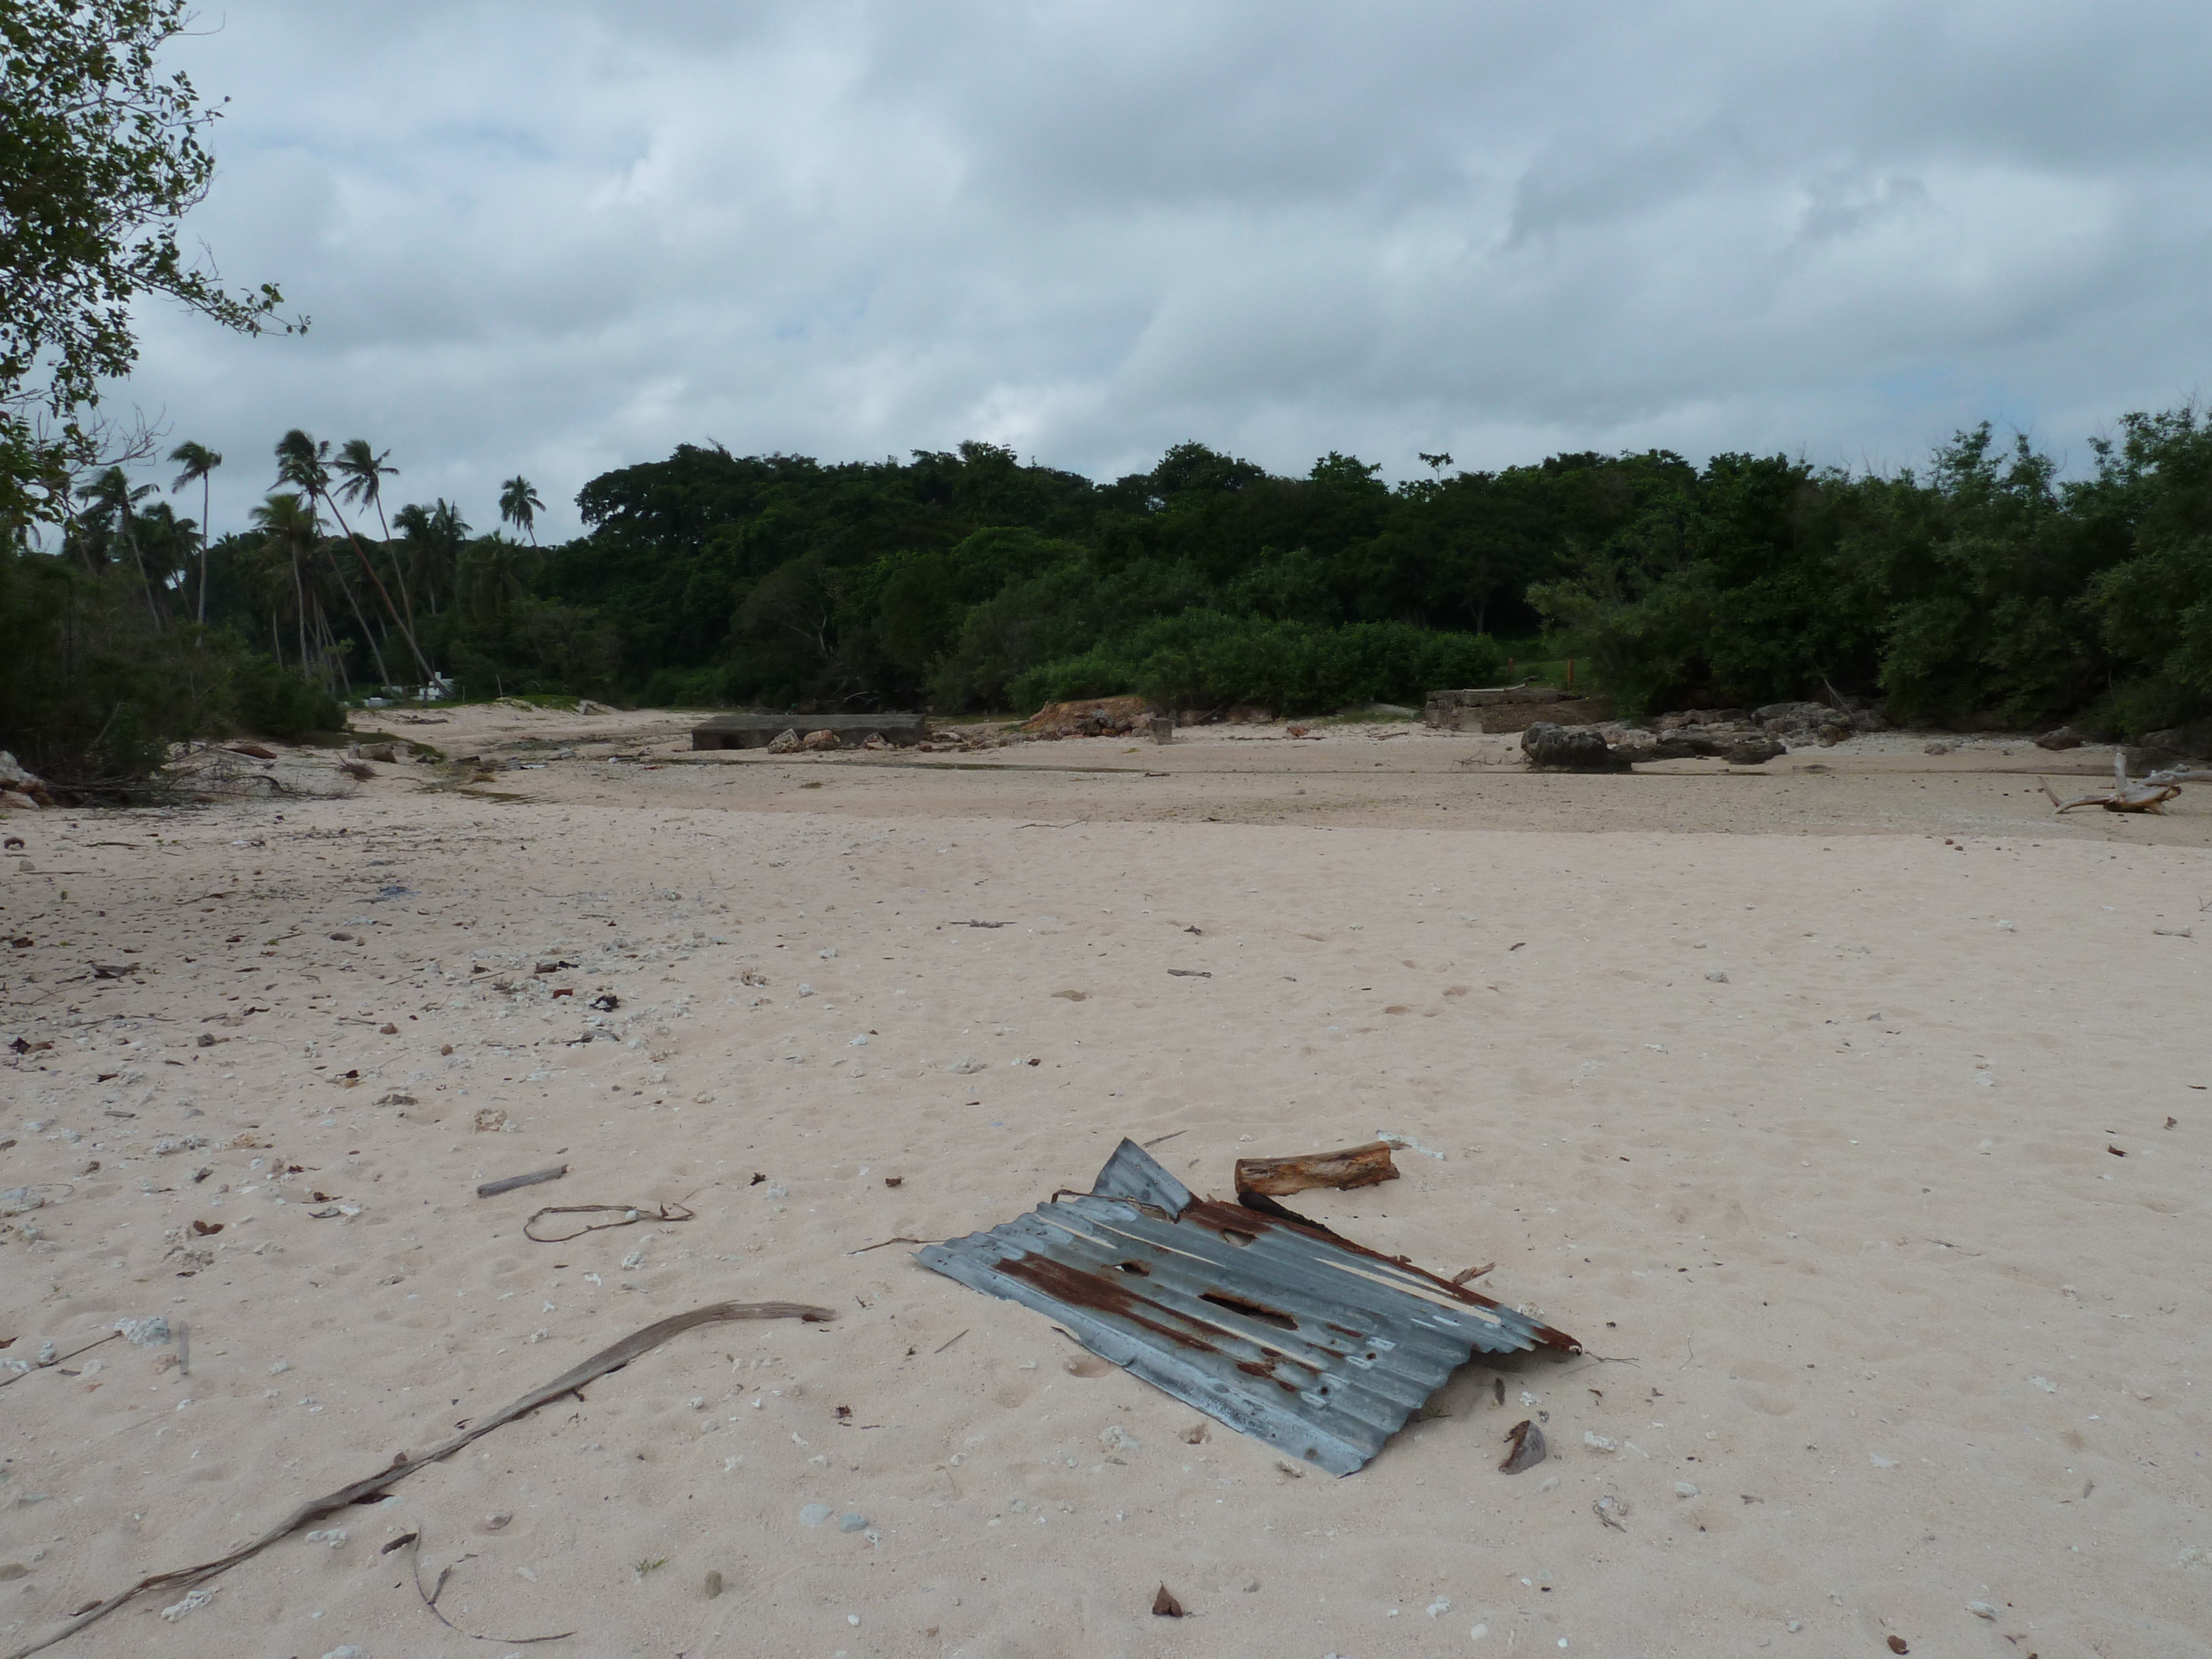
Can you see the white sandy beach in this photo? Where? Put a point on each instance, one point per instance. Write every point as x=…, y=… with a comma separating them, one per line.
x=1854, y=1121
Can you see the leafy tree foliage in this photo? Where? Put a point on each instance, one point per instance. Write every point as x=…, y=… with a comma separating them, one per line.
x=1989, y=590
x=100, y=157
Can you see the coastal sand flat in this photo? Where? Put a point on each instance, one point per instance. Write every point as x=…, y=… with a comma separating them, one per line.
x=1842, y=1230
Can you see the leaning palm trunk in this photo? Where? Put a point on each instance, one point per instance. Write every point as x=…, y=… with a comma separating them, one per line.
x=300, y=606
x=204, y=549
x=138, y=559
x=422, y=663
x=334, y=668
x=368, y=635
x=398, y=571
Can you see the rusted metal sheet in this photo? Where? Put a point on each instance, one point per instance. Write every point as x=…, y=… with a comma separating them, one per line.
x=1275, y=1327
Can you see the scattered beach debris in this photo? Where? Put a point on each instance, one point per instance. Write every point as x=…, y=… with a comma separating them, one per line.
x=1525, y=1447
x=1258, y=1317
x=47, y=1357
x=1611, y=1510
x=1164, y=1605
x=1354, y=1166
x=493, y=1189
x=625, y=1215
x=607, y=1359
x=21, y=1201
x=1190, y=973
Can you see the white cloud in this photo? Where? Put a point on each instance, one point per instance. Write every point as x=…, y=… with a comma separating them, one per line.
x=556, y=238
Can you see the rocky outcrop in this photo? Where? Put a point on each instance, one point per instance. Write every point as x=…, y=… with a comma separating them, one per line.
x=1810, y=722
x=2064, y=737
x=761, y=731
x=1611, y=748
x=1552, y=747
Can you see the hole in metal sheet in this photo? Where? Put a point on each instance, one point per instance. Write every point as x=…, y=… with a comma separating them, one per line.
x=1237, y=1238
x=1134, y=1267
x=1252, y=1309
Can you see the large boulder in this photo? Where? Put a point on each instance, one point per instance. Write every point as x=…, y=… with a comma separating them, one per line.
x=785, y=742
x=2193, y=742
x=27, y=787
x=1753, y=751
x=2064, y=737
x=824, y=738
x=1552, y=748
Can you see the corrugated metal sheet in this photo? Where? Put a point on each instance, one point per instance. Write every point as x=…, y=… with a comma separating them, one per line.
x=1306, y=1340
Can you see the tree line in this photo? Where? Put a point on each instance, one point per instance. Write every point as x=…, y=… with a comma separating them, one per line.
x=1988, y=586
x=1984, y=587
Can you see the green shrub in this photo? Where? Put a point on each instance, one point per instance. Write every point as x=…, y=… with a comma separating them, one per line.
x=687, y=688
x=1204, y=659
x=274, y=701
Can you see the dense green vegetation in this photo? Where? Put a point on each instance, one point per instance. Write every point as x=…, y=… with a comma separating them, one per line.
x=1986, y=588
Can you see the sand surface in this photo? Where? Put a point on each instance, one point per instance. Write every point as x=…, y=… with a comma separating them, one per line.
x=1798, y=1097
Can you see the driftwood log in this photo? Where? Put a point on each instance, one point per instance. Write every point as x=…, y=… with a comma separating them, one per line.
x=1355, y=1166
x=2150, y=795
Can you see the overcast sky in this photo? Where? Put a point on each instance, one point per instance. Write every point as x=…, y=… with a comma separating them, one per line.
x=556, y=238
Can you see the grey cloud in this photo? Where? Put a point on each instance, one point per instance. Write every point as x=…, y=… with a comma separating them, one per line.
x=560, y=237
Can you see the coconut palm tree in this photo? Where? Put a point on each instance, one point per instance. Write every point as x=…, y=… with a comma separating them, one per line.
x=165, y=546
x=198, y=462
x=362, y=471
x=519, y=505
x=434, y=537
x=305, y=463
x=114, y=502
x=291, y=528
